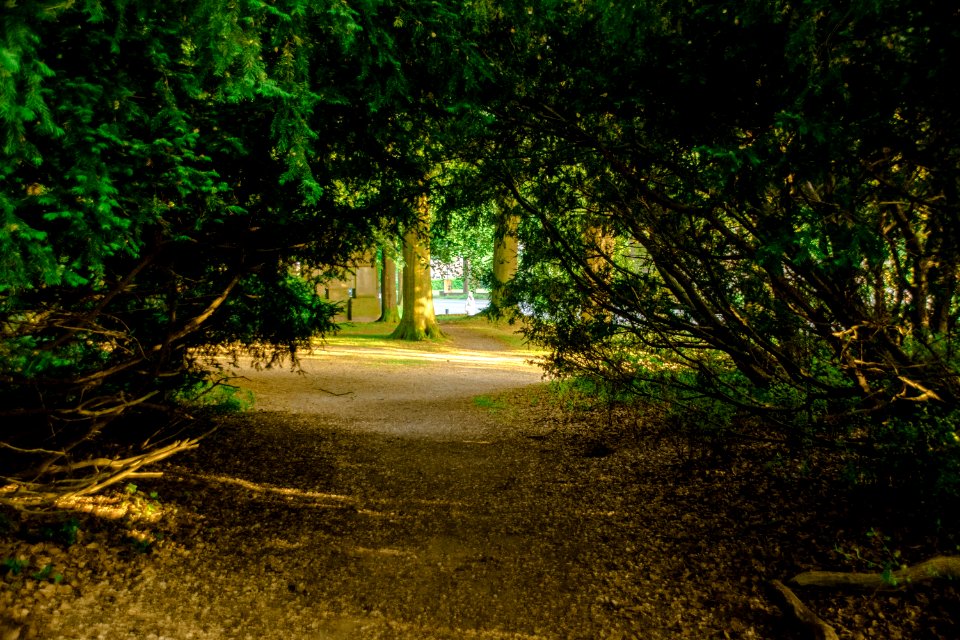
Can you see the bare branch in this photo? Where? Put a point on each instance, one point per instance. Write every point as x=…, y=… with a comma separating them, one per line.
x=938, y=567
x=42, y=452
x=803, y=614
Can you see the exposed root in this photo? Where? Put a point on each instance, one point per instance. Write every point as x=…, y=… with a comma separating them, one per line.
x=935, y=568
x=803, y=614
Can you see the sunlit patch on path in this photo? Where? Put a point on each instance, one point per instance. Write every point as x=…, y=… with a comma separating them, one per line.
x=459, y=356
x=372, y=496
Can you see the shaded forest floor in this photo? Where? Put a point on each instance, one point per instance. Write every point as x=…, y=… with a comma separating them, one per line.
x=396, y=492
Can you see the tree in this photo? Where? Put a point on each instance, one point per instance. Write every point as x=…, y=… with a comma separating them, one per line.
x=779, y=181
x=505, y=251
x=418, y=321
x=164, y=167
x=389, y=311
x=463, y=231
x=466, y=266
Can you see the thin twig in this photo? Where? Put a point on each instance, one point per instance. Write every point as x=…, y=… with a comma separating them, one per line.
x=345, y=393
x=31, y=451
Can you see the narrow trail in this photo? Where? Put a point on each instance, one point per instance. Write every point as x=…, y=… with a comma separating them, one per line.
x=383, y=493
x=408, y=494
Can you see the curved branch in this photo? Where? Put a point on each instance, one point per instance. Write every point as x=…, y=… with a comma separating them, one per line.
x=804, y=615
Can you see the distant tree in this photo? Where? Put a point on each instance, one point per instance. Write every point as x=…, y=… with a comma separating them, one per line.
x=465, y=236
x=418, y=321
x=389, y=310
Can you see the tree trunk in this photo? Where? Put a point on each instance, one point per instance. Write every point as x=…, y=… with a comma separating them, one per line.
x=600, y=245
x=388, y=289
x=466, y=275
x=419, y=321
x=505, y=249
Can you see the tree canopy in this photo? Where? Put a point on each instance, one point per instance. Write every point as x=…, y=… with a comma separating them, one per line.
x=163, y=167
x=759, y=198
x=749, y=204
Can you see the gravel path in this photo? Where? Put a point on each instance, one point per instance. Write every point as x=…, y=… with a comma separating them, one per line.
x=390, y=493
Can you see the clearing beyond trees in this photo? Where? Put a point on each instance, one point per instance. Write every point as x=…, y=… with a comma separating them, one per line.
x=443, y=490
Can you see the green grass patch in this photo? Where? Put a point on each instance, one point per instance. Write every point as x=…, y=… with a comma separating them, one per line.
x=377, y=335
x=489, y=403
x=507, y=334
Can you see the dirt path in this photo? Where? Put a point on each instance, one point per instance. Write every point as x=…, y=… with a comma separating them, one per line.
x=385, y=493
x=397, y=494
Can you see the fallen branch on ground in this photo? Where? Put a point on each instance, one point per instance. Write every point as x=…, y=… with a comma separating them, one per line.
x=803, y=614
x=27, y=496
x=934, y=568
x=345, y=393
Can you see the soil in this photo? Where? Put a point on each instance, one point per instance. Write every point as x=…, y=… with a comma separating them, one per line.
x=398, y=493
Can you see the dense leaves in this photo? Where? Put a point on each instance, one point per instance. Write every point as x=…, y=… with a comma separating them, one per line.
x=752, y=203
x=748, y=210
x=165, y=168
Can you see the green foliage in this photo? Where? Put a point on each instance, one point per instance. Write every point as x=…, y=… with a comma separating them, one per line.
x=163, y=167
x=744, y=220
x=876, y=557
x=584, y=393
x=491, y=404
x=16, y=566
x=274, y=309
x=137, y=502
x=144, y=543
x=47, y=573
x=66, y=533
x=480, y=278
x=13, y=565
x=572, y=395
x=455, y=283
x=216, y=397
x=919, y=450
x=464, y=233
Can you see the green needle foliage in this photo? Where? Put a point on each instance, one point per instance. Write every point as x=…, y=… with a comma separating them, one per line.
x=748, y=202
x=746, y=209
x=164, y=166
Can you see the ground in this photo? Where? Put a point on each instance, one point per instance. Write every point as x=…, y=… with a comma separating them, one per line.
x=446, y=492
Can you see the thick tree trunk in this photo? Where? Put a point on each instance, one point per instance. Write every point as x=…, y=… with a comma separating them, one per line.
x=466, y=275
x=419, y=321
x=388, y=289
x=505, y=248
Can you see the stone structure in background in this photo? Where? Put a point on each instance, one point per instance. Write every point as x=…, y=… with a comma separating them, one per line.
x=357, y=290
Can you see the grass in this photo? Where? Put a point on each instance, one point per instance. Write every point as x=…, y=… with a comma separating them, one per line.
x=500, y=330
x=401, y=362
x=377, y=335
x=486, y=402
